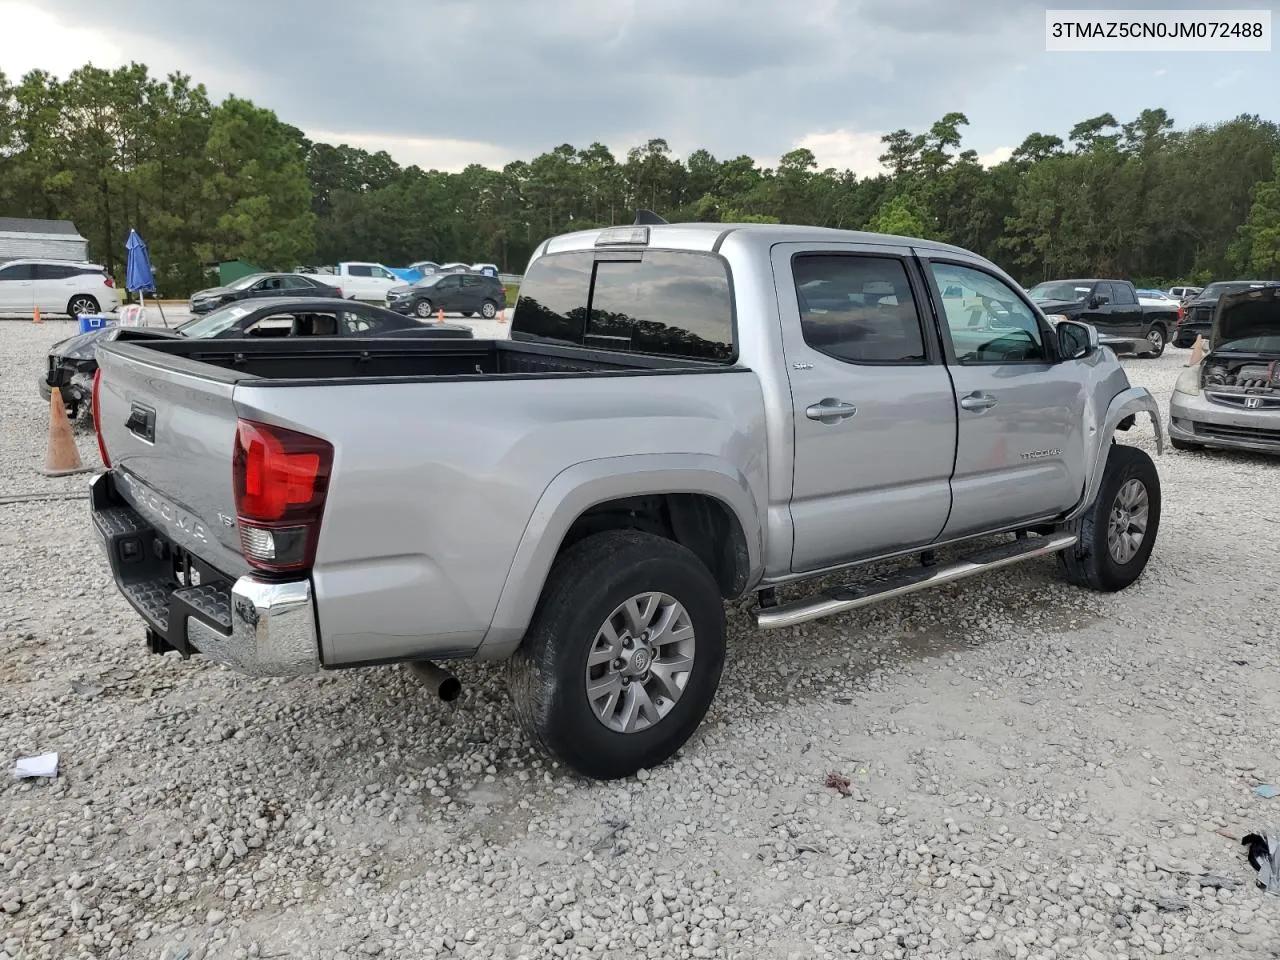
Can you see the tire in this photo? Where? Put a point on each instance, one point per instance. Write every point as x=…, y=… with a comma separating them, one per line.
x=488, y=309
x=1091, y=562
x=468, y=313
x=1158, y=339
x=1183, y=444
x=82, y=303
x=585, y=595
x=422, y=309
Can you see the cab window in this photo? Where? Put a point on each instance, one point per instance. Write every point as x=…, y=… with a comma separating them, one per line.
x=988, y=323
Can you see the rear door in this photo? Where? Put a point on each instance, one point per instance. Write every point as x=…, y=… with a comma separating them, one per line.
x=1020, y=439
x=472, y=293
x=169, y=428
x=1127, y=314
x=53, y=286
x=16, y=295
x=873, y=409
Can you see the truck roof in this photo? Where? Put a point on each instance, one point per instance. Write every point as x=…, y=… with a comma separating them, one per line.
x=710, y=236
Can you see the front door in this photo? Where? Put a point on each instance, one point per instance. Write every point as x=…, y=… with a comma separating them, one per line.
x=1020, y=443
x=16, y=293
x=448, y=293
x=873, y=412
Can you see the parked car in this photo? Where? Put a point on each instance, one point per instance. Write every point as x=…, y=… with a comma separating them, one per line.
x=258, y=285
x=1197, y=317
x=360, y=280
x=1231, y=399
x=72, y=362
x=56, y=287
x=1109, y=305
x=1155, y=298
x=1183, y=294
x=467, y=294
x=654, y=438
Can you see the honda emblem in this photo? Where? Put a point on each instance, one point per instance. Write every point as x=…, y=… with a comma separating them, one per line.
x=1252, y=403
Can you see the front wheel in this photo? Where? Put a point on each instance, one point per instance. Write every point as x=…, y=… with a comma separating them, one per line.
x=624, y=654
x=423, y=309
x=1118, y=530
x=1156, y=337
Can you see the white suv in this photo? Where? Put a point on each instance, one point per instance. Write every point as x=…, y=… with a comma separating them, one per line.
x=56, y=286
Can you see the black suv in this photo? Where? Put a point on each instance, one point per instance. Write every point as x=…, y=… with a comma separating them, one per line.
x=464, y=293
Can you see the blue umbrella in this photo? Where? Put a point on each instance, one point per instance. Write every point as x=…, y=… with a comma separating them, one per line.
x=138, y=275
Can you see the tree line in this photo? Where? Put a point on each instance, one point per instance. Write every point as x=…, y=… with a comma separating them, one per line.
x=204, y=182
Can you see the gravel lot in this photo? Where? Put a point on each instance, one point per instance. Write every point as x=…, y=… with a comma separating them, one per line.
x=1035, y=771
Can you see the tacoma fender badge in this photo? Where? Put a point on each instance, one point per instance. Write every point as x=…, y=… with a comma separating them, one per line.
x=1040, y=454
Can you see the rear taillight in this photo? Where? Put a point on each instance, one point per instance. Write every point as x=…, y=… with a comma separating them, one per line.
x=97, y=419
x=1182, y=313
x=108, y=281
x=339, y=291
x=281, y=478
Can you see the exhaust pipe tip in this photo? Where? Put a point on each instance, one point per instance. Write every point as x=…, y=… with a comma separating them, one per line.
x=435, y=678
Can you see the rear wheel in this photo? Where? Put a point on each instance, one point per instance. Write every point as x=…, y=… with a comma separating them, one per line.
x=468, y=313
x=422, y=308
x=623, y=656
x=1118, y=530
x=82, y=303
x=1157, y=338
x=488, y=309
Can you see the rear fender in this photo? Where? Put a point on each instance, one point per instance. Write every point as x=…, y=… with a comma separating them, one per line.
x=1125, y=405
x=585, y=485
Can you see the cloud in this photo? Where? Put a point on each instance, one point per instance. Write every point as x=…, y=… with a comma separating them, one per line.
x=427, y=152
x=491, y=80
x=846, y=150
x=997, y=156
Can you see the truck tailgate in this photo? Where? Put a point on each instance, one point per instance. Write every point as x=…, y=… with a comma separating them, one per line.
x=169, y=430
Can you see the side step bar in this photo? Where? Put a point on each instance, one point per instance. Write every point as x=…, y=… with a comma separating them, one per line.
x=863, y=593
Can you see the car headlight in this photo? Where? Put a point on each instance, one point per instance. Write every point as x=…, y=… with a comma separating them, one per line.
x=1188, y=382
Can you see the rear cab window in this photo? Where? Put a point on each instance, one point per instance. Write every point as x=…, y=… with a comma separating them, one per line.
x=663, y=303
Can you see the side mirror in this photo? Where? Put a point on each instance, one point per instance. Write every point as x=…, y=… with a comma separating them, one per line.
x=1094, y=302
x=1076, y=340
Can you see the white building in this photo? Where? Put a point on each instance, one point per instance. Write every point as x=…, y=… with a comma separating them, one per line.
x=44, y=239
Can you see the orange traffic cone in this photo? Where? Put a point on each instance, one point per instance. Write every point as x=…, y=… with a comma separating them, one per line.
x=502, y=316
x=440, y=315
x=63, y=459
x=1197, y=352
x=35, y=316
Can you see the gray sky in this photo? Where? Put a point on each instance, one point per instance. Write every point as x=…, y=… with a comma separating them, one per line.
x=442, y=83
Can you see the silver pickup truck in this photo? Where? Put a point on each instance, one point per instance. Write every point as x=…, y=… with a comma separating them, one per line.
x=683, y=414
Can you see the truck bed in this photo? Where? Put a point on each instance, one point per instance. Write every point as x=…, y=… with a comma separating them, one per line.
x=272, y=361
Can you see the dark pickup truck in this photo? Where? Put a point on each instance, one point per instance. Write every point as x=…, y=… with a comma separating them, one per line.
x=1110, y=306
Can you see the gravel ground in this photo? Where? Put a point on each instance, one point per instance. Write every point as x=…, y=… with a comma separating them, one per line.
x=1035, y=771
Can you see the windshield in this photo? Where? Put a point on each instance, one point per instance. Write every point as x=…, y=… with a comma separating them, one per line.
x=1266, y=344
x=244, y=283
x=1070, y=291
x=1215, y=290
x=212, y=324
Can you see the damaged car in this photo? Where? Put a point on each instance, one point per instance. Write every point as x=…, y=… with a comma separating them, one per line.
x=73, y=362
x=1231, y=399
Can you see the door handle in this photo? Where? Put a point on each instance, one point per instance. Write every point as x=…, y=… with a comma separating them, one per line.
x=830, y=410
x=978, y=401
